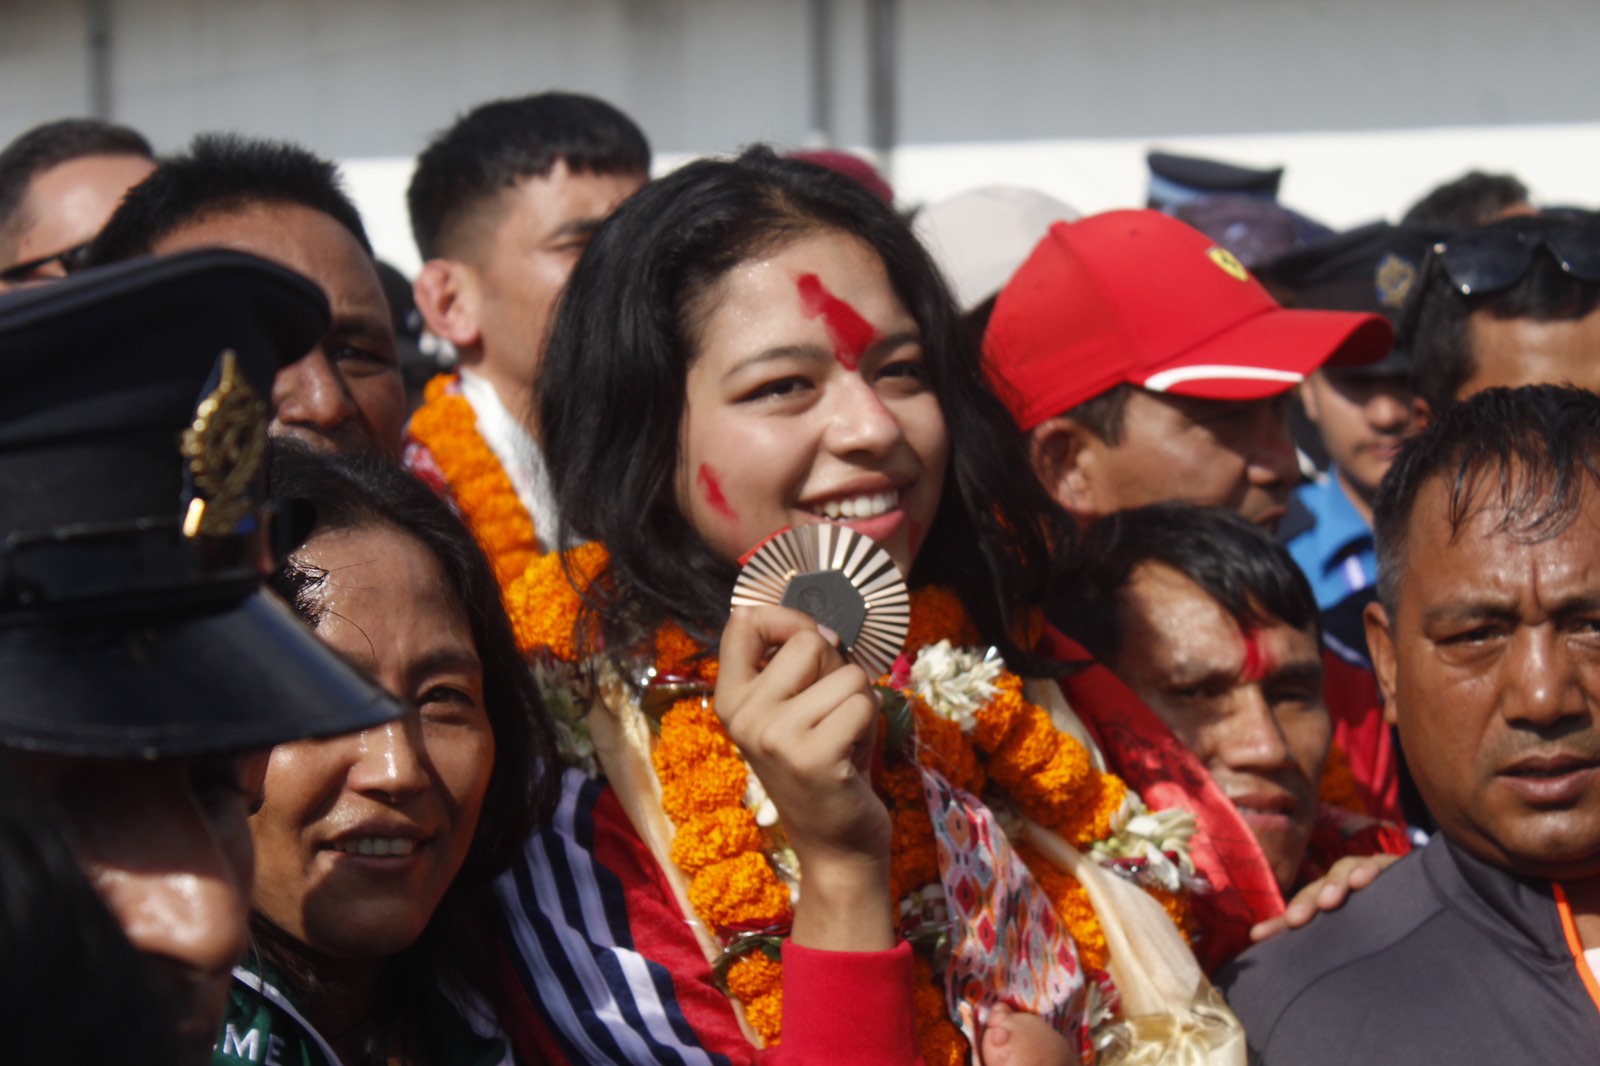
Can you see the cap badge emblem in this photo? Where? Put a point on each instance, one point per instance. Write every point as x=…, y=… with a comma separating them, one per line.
x=1394, y=277
x=1229, y=263
x=225, y=446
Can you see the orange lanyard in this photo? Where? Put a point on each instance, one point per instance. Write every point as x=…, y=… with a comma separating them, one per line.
x=1574, y=945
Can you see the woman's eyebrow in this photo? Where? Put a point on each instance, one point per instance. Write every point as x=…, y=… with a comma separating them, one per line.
x=445, y=659
x=782, y=351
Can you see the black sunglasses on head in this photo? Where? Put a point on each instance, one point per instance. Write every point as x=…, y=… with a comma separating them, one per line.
x=72, y=260
x=1492, y=259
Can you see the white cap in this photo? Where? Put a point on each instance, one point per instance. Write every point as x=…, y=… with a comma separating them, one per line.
x=980, y=237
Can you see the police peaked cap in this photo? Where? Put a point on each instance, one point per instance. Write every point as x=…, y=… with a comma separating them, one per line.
x=134, y=533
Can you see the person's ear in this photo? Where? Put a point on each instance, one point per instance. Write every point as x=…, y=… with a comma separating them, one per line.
x=1307, y=391
x=1066, y=458
x=1421, y=414
x=1380, y=645
x=447, y=294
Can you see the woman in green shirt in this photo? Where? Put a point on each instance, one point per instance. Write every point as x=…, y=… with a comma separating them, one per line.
x=375, y=850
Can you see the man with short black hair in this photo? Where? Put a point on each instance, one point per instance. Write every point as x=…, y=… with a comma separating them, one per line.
x=59, y=182
x=1483, y=947
x=1146, y=364
x=1513, y=303
x=281, y=202
x=502, y=204
x=1209, y=621
x=1473, y=199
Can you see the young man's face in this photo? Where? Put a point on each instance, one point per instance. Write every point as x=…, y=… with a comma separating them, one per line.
x=1362, y=419
x=1214, y=453
x=1249, y=705
x=524, y=257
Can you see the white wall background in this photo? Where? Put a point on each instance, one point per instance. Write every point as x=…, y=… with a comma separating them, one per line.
x=1368, y=102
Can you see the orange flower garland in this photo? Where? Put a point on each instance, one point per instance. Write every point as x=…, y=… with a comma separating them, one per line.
x=545, y=607
x=447, y=426
x=734, y=884
x=1339, y=788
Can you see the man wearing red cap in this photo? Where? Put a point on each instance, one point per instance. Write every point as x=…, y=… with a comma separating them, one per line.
x=1146, y=364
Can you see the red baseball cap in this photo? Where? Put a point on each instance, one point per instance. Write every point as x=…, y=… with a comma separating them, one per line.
x=1139, y=297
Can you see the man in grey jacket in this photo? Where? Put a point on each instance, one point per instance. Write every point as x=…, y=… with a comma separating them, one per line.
x=1483, y=947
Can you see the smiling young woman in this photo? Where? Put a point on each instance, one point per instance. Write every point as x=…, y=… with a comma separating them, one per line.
x=747, y=346
x=375, y=850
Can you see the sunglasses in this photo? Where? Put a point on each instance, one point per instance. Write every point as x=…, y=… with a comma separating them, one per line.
x=71, y=261
x=1479, y=262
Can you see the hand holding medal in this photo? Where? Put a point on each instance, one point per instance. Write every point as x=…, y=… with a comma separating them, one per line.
x=807, y=720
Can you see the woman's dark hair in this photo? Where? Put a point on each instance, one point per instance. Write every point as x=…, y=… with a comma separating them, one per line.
x=612, y=393
x=1235, y=562
x=339, y=492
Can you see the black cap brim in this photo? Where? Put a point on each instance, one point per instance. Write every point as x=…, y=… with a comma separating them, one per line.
x=249, y=676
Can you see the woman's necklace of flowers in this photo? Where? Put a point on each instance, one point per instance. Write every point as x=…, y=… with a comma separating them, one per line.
x=447, y=426
x=984, y=734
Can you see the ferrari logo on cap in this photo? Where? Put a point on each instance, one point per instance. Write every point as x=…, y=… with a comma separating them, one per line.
x=1229, y=263
x=225, y=447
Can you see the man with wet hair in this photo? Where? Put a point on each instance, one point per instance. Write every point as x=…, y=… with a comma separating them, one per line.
x=59, y=182
x=1483, y=947
x=281, y=202
x=1516, y=302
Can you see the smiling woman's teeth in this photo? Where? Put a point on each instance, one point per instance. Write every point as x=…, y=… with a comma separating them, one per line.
x=376, y=846
x=861, y=506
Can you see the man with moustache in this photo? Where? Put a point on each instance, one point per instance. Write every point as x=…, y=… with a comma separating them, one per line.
x=144, y=666
x=1484, y=946
x=59, y=182
x=1208, y=620
x=1145, y=363
x=279, y=201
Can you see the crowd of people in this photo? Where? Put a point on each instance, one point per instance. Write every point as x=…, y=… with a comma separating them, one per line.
x=376, y=692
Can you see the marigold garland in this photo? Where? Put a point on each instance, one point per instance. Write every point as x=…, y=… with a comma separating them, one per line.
x=447, y=426
x=757, y=982
x=545, y=607
x=706, y=790
x=1339, y=788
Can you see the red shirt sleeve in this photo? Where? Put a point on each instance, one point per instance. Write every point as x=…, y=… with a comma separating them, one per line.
x=843, y=1007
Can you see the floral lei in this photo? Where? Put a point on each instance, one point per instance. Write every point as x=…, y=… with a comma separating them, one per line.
x=962, y=714
x=447, y=426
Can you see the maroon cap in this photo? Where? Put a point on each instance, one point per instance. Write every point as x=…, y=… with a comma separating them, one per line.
x=1141, y=298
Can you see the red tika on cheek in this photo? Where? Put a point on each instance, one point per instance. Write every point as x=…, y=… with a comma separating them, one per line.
x=851, y=334
x=708, y=482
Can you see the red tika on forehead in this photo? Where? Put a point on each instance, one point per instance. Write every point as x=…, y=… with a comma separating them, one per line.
x=851, y=334
x=1257, y=657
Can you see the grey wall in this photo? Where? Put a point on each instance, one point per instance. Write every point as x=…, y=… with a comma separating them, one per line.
x=356, y=78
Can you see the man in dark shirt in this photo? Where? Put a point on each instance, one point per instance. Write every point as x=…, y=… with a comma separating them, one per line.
x=1486, y=640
